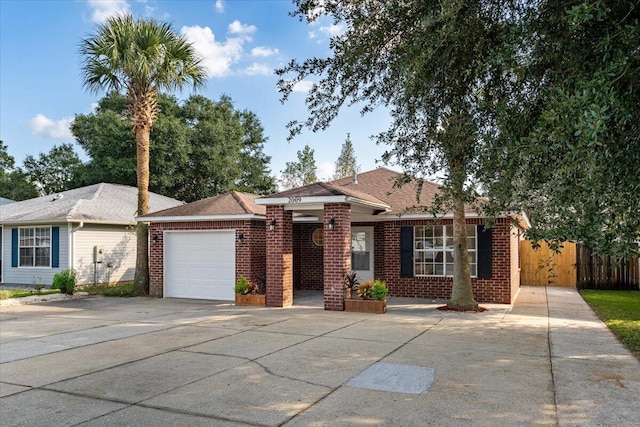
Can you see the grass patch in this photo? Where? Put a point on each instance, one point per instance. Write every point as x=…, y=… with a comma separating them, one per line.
x=20, y=293
x=620, y=311
x=123, y=290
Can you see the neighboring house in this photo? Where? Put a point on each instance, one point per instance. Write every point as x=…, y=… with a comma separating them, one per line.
x=309, y=237
x=89, y=229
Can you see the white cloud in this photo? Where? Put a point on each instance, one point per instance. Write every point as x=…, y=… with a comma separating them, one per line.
x=328, y=31
x=219, y=6
x=217, y=57
x=237, y=27
x=258, y=69
x=43, y=126
x=326, y=171
x=263, y=51
x=104, y=9
x=303, y=86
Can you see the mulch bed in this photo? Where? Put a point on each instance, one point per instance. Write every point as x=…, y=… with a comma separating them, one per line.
x=446, y=308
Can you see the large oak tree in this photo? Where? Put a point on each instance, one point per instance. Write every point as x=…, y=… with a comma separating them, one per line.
x=435, y=65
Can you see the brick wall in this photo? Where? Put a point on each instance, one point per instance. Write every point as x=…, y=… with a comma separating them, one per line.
x=337, y=253
x=497, y=289
x=279, y=257
x=250, y=252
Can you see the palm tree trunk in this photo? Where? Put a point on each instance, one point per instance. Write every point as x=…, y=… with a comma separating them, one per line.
x=141, y=280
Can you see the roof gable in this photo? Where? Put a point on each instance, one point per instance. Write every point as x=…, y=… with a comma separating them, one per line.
x=232, y=203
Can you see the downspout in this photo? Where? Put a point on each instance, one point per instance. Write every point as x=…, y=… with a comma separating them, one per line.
x=72, y=242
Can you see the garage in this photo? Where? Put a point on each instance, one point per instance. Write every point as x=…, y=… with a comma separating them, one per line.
x=200, y=264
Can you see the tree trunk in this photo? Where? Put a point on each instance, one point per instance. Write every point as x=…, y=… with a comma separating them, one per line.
x=141, y=279
x=461, y=292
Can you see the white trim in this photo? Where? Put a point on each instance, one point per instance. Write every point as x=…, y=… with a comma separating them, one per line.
x=318, y=200
x=192, y=218
x=30, y=223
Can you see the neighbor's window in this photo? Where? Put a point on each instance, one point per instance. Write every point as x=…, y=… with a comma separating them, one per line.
x=35, y=247
x=433, y=250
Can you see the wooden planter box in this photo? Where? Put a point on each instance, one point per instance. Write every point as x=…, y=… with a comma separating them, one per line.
x=257, y=300
x=365, y=305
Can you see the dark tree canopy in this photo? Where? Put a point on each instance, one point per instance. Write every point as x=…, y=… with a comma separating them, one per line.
x=54, y=171
x=14, y=183
x=198, y=149
x=567, y=148
x=300, y=172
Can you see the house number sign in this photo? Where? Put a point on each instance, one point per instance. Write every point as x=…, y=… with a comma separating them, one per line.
x=295, y=199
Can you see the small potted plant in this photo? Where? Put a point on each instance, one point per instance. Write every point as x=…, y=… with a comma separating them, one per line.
x=248, y=293
x=350, y=283
x=372, y=298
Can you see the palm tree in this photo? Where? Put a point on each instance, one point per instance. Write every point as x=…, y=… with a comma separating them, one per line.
x=140, y=57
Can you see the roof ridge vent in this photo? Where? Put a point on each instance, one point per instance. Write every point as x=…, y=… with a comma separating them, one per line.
x=57, y=197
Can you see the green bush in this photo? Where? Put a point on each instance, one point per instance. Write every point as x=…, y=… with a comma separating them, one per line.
x=5, y=294
x=379, y=290
x=65, y=281
x=242, y=286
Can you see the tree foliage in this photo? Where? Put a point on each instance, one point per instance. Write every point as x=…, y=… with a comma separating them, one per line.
x=199, y=148
x=54, y=171
x=300, y=172
x=14, y=184
x=568, y=146
x=347, y=164
x=435, y=65
x=140, y=57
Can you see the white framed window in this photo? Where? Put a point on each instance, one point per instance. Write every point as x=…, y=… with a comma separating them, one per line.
x=433, y=250
x=34, y=247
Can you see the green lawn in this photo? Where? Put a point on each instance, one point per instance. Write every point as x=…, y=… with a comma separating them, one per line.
x=19, y=293
x=124, y=290
x=620, y=310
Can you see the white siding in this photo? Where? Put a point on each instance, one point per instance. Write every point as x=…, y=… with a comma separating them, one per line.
x=32, y=275
x=118, y=245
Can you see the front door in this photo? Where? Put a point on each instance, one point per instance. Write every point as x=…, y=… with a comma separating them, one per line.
x=362, y=252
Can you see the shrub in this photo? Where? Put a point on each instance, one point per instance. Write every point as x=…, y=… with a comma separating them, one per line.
x=5, y=294
x=65, y=281
x=242, y=286
x=379, y=290
x=364, y=290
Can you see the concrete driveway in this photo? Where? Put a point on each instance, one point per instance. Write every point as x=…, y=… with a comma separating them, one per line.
x=547, y=360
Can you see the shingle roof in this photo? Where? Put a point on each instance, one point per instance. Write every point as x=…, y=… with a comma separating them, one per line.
x=103, y=203
x=322, y=189
x=232, y=203
x=379, y=183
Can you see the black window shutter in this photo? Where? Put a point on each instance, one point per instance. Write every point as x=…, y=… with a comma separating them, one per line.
x=484, y=252
x=14, y=247
x=406, y=251
x=55, y=247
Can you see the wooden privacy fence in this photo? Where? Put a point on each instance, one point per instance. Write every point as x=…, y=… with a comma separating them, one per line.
x=606, y=272
x=544, y=267
x=576, y=266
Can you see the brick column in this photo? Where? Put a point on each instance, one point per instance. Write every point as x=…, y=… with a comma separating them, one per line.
x=337, y=253
x=279, y=257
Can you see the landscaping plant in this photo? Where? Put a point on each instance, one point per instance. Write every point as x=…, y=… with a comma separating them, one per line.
x=379, y=290
x=65, y=281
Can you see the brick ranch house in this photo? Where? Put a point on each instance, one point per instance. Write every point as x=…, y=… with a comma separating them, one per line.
x=309, y=237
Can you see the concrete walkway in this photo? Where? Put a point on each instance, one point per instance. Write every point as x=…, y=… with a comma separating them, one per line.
x=115, y=361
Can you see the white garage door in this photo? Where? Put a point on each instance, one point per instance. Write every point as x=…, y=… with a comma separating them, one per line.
x=200, y=264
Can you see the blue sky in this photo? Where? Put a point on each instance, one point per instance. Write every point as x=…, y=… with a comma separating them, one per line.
x=241, y=41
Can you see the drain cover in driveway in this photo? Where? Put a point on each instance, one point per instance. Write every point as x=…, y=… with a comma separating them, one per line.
x=392, y=377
